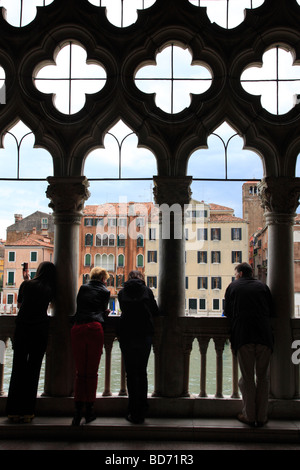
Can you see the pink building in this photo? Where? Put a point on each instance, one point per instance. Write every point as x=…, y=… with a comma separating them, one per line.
x=32, y=249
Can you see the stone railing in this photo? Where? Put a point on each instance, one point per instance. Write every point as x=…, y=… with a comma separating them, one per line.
x=203, y=330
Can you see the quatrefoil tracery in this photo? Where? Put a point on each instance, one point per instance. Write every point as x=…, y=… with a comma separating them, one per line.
x=71, y=78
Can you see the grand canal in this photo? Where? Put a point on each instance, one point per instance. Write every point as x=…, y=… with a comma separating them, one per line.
x=194, y=383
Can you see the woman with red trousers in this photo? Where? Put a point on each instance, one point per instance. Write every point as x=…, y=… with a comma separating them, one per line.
x=87, y=341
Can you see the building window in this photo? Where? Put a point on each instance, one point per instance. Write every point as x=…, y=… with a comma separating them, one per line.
x=88, y=222
x=11, y=256
x=111, y=240
x=105, y=240
x=112, y=222
x=87, y=260
x=10, y=278
x=140, y=222
x=202, y=256
x=119, y=280
x=192, y=305
x=99, y=222
x=121, y=240
x=236, y=234
x=140, y=261
x=110, y=281
x=216, y=304
x=152, y=233
x=44, y=223
x=98, y=239
x=152, y=282
x=216, y=257
x=121, y=261
x=216, y=283
x=140, y=241
x=98, y=260
x=202, y=304
x=202, y=282
x=202, y=234
x=88, y=239
x=152, y=256
x=108, y=262
x=33, y=256
x=10, y=299
x=215, y=234
x=186, y=282
x=122, y=222
x=236, y=256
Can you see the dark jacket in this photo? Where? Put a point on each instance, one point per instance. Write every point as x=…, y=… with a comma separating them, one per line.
x=248, y=304
x=92, y=302
x=138, y=307
x=34, y=297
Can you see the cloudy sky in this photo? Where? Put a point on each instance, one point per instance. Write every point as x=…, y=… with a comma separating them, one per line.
x=25, y=197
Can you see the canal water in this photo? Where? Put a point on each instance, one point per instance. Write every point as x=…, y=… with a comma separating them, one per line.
x=194, y=383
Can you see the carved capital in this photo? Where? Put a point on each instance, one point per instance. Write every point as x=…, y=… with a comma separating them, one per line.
x=280, y=195
x=172, y=190
x=67, y=196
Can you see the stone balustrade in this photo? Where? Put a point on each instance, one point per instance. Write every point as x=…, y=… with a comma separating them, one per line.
x=201, y=329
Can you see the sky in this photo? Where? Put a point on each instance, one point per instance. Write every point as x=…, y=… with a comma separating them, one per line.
x=25, y=197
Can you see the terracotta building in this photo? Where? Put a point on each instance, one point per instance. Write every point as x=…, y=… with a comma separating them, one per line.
x=112, y=236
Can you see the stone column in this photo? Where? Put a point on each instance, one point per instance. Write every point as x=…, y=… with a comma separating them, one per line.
x=280, y=200
x=171, y=195
x=67, y=197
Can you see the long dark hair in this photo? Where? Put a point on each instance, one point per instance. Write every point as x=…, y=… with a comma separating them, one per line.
x=46, y=274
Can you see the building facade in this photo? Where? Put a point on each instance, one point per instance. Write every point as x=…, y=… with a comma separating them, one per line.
x=29, y=240
x=212, y=252
x=32, y=250
x=113, y=236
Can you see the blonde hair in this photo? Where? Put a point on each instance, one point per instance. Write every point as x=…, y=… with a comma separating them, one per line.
x=99, y=274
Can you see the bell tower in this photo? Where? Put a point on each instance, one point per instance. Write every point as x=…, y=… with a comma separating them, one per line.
x=253, y=213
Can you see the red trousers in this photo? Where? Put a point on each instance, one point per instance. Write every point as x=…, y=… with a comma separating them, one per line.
x=87, y=345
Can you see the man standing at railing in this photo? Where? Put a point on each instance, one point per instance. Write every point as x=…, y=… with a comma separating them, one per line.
x=248, y=305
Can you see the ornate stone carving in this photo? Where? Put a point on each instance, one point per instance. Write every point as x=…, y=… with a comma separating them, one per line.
x=280, y=195
x=172, y=190
x=67, y=197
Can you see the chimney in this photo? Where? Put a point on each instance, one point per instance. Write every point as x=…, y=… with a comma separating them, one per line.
x=34, y=230
x=18, y=217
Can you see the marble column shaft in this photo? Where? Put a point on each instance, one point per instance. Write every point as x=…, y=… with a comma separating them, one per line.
x=171, y=195
x=67, y=197
x=279, y=198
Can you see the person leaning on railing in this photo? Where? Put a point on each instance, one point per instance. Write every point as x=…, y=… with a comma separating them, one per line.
x=30, y=342
x=87, y=338
x=249, y=306
x=135, y=333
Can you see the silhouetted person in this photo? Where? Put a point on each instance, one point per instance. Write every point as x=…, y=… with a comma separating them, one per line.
x=30, y=341
x=136, y=330
x=248, y=304
x=87, y=341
